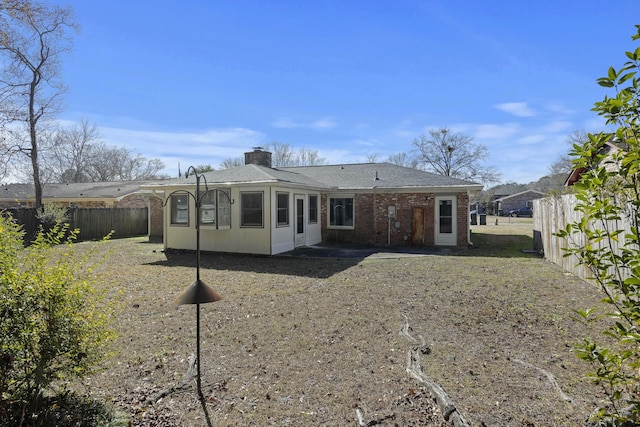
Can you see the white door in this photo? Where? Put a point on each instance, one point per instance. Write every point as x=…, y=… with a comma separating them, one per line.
x=300, y=236
x=445, y=226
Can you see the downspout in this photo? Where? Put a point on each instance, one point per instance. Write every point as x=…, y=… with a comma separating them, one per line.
x=271, y=219
x=373, y=214
x=149, y=217
x=469, y=242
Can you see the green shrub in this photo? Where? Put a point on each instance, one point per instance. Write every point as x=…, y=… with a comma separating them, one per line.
x=51, y=214
x=54, y=323
x=608, y=195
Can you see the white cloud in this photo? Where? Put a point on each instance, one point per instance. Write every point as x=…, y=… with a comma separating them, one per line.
x=531, y=139
x=284, y=122
x=335, y=157
x=324, y=123
x=320, y=124
x=520, y=109
x=559, y=126
x=560, y=109
x=210, y=146
x=366, y=142
x=493, y=132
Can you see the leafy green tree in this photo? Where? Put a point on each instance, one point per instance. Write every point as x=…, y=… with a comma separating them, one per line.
x=607, y=241
x=54, y=323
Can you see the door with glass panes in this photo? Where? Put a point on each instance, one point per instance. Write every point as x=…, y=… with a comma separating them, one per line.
x=300, y=226
x=445, y=226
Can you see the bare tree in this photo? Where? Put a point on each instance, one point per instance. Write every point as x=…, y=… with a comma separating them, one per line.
x=309, y=157
x=232, y=163
x=400, y=159
x=204, y=168
x=373, y=157
x=403, y=159
x=563, y=164
x=455, y=155
x=76, y=154
x=33, y=38
x=110, y=163
x=68, y=156
x=284, y=155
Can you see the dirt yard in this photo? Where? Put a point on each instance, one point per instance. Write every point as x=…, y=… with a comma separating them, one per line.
x=326, y=342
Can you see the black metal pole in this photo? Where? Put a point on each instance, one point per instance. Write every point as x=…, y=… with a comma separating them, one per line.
x=198, y=381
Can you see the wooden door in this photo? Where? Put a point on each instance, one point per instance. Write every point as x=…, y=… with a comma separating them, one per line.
x=417, y=230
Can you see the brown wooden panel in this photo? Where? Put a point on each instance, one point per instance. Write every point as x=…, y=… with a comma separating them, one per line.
x=417, y=230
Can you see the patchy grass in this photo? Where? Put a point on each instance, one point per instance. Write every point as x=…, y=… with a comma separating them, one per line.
x=502, y=237
x=318, y=342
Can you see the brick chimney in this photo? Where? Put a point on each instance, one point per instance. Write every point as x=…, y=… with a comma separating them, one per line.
x=258, y=157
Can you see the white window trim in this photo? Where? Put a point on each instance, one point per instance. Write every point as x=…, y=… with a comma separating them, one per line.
x=309, y=196
x=340, y=196
x=228, y=201
x=171, y=207
x=242, y=208
x=288, y=208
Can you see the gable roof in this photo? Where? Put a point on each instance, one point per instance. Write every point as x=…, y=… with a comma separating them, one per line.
x=361, y=176
x=613, y=144
x=245, y=174
x=358, y=176
x=539, y=194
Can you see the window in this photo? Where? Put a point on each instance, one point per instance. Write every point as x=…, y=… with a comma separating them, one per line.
x=208, y=208
x=313, y=208
x=215, y=208
x=251, y=209
x=282, y=209
x=446, y=216
x=341, y=212
x=180, y=209
x=224, y=208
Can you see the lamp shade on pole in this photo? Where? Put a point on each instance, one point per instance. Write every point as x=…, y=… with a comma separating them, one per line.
x=198, y=293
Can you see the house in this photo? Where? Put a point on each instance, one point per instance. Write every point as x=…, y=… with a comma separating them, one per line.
x=255, y=208
x=516, y=201
x=118, y=194
x=608, y=151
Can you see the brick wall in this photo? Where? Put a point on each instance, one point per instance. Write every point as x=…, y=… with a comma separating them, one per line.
x=156, y=212
x=156, y=219
x=463, y=219
x=373, y=227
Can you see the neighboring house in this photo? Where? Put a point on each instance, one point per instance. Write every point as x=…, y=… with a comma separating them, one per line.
x=258, y=209
x=609, y=149
x=516, y=201
x=119, y=194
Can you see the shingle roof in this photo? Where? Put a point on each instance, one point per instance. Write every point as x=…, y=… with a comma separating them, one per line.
x=379, y=175
x=84, y=190
x=536, y=192
x=246, y=174
x=360, y=176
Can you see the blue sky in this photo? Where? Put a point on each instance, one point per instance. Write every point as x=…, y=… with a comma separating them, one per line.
x=197, y=82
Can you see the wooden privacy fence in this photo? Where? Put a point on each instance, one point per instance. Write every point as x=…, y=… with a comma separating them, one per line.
x=94, y=223
x=97, y=223
x=552, y=214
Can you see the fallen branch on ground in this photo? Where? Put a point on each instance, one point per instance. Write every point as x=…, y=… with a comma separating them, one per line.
x=449, y=410
x=186, y=380
x=549, y=376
